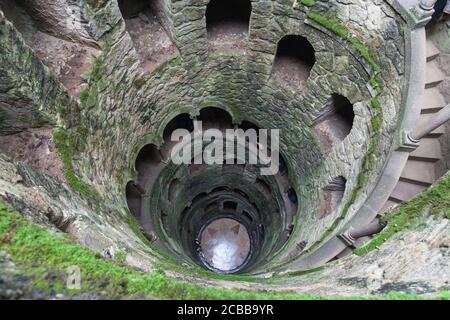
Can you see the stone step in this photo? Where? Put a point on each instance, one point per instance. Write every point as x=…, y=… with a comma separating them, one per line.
x=432, y=51
x=433, y=100
x=405, y=191
x=424, y=118
x=434, y=76
x=419, y=172
x=429, y=150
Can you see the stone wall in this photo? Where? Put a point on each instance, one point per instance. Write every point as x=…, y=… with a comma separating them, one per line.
x=125, y=110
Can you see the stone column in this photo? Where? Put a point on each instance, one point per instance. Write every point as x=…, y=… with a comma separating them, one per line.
x=427, y=5
x=424, y=10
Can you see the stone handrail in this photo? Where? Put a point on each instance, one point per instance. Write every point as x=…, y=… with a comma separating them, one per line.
x=432, y=124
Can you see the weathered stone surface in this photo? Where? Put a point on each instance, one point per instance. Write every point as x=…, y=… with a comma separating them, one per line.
x=127, y=110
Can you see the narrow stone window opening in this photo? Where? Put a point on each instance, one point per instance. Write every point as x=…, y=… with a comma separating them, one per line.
x=134, y=198
x=147, y=160
x=145, y=23
x=217, y=118
x=228, y=22
x=331, y=196
x=335, y=122
x=182, y=121
x=294, y=60
x=230, y=206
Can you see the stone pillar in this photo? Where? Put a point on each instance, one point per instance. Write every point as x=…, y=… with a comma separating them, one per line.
x=423, y=11
x=427, y=5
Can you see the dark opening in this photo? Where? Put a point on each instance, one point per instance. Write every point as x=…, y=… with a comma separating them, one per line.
x=149, y=155
x=230, y=206
x=133, y=195
x=335, y=122
x=247, y=216
x=182, y=121
x=236, y=12
x=216, y=118
x=344, y=109
x=148, y=159
x=132, y=8
x=144, y=21
x=294, y=60
x=292, y=195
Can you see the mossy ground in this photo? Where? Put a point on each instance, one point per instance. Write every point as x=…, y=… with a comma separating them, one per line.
x=435, y=201
x=41, y=255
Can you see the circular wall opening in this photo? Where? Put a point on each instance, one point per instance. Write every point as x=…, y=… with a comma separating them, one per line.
x=224, y=245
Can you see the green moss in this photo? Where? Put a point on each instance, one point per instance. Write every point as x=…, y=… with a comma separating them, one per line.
x=329, y=23
x=66, y=149
x=41, y=255
x=120, y=257
x=376, y=85
x=410, y=215
x=338, y=28
x=308, y=3
x=89, y=96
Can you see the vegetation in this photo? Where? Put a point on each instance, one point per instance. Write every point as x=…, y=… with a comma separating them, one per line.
x=338, y=28
x=308, y=3
x=41, y=255
x=335, y=26
x=89, y=96
x=66, y=147
x=436, y=200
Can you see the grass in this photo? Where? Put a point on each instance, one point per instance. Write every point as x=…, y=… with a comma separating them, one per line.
x=435, y=200
x=41, y=255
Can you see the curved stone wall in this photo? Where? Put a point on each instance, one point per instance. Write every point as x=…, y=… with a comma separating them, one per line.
x=360, y=49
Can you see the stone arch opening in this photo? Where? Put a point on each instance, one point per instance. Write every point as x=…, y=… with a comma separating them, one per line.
x=182, y=121
x=294, y=59
x=144, y=20
x=146, y=163
x=335, y=122
x=132, y=8
x=213, y=117
x=134, y=198
x=230, y=206
x=228, y=21
x=331, y=196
